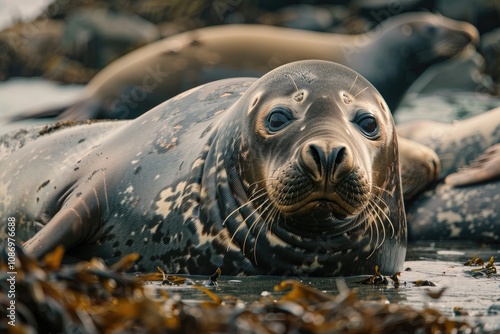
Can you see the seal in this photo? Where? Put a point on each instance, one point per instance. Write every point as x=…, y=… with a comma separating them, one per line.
x=470, y=137
x=391, y=57
x=299, y=176
x=465, y=203
x=419, y=165
x=484, y=168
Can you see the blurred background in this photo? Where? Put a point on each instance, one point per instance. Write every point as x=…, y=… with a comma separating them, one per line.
x=69, y=41
x=62, y=44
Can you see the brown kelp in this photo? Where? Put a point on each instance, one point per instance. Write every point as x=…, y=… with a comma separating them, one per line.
x=90, y=297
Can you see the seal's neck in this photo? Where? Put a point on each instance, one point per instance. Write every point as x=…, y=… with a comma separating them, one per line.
x=250, y=240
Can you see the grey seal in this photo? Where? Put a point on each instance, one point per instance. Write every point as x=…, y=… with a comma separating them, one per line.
x=391, y=56
x=465, y=202
x=299, y=176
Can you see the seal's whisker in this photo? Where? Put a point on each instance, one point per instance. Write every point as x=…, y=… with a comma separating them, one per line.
x=274, y=217
x=248, y=202
x=373, y=225
x=246, y=236
x=376, y=220
x=263, y=224
x=261, y=181
x=270, y=218
x=383, y=190
x=99, y=213
x=244, y=221
x=257, y=220
x=255, y=243
x=383, y=212
x=270, y=214
x=361, y=91
x=380, y=220
x=356, y=78
x=293, y=81
x=370, y=225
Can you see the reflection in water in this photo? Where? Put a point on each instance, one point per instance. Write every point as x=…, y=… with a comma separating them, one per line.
x=439, y=262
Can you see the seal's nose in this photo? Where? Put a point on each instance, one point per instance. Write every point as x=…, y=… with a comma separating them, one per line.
x=321, y=161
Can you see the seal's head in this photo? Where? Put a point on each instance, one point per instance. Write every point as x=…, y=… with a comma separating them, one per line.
x=317, y=159
x=430, y=38
x=405, y=46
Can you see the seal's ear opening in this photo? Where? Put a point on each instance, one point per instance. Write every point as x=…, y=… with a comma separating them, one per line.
x=384, y=106
x=256, y=100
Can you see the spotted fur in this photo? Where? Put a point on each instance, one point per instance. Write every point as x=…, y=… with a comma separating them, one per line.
x=469, y=210
x=185, y=184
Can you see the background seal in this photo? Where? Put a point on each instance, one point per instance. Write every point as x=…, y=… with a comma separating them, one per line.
x=465, y=202
x=391, y=56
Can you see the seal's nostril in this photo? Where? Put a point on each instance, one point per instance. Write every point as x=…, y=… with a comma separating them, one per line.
x=318, y=157
x=339, y=155
x=338, y=163
x=321, y=162
x=313, y=160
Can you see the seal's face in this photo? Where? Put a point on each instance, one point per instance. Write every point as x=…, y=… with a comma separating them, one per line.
x=324, y=143
x=434, y=37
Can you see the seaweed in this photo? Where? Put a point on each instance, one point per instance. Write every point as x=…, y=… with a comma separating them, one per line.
x=486, y=271
x=91, y=297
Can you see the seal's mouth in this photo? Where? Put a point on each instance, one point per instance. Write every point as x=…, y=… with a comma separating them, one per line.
x=328, y=208
x=449, y=41
x=332, y=213
x=320, y=188
x=457, y=41
x=321, y=216
x=318, y=205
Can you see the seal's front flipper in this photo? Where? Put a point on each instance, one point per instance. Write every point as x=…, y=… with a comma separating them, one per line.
x=64, y=229
x=419, y=166
x=485, y=167
x=75, y=223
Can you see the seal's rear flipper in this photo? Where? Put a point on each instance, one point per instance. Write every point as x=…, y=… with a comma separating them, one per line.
x=50, y=112
x=81, y=110
x=485, y=167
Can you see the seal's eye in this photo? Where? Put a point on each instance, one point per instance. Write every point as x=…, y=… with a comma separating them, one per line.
x=431, y=30
x=368, y=125
x=278, y=118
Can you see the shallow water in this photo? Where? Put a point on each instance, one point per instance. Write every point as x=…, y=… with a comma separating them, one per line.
x=441, y=263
